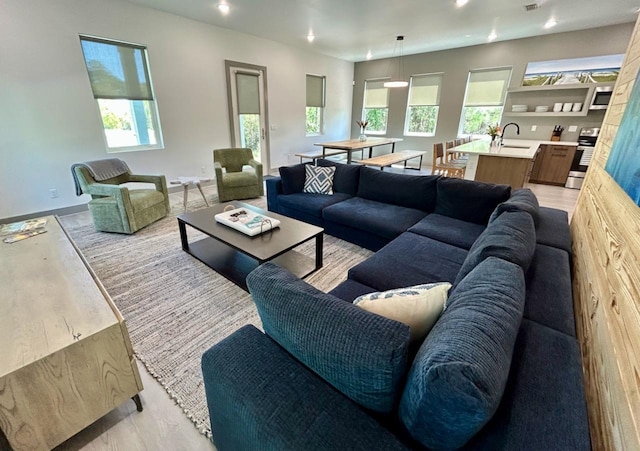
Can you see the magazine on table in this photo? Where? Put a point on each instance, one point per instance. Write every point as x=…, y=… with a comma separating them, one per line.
x=18, y=231
x=247, y=221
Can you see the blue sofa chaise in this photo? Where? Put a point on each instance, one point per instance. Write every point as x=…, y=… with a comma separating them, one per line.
x=500, y=370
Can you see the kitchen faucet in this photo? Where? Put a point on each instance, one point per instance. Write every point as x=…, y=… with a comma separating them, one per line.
x=505, y=127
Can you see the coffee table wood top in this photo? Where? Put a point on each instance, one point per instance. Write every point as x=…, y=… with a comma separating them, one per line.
x=265, y=246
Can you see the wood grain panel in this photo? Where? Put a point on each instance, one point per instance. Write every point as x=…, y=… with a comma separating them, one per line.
x=510, y=171
x=606, y=268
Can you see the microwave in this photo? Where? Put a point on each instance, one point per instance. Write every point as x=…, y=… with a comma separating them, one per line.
x=601, y=98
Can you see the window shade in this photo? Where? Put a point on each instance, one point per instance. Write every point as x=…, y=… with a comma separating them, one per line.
x=425, y=90
x=487, y=87
x=248, y=93
x=315, y=91
x=116, y=71
x=375, y=94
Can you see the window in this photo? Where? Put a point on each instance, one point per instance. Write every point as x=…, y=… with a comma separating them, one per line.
x=484, y=100
x=423, y=106
x=376, y=106
x=121, y=84
x=315, y=104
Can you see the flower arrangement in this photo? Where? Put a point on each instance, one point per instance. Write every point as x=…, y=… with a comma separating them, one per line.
x=494, y=131
x=362, y=125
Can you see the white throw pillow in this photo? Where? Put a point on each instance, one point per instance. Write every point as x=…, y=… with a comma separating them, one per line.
x=419, y=307
x=318, y=179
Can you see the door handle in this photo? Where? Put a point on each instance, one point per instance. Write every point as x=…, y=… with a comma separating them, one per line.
x=263, y=134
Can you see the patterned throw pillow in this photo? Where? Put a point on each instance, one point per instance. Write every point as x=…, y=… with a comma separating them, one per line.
x=318, y=179
x=419, y=307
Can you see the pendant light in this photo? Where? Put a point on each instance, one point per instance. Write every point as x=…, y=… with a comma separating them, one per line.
x=397, y=82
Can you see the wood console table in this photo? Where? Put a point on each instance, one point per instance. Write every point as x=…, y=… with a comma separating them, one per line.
x=65, y=354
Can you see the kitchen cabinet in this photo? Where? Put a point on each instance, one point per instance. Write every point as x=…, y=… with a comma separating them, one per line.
x=533, y=96
x=552, y=164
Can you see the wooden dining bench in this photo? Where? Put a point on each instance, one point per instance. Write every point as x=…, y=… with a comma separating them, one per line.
x=401, y=156
x=315, y=154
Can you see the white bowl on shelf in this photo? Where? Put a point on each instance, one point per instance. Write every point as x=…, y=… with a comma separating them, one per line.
x=542, y=109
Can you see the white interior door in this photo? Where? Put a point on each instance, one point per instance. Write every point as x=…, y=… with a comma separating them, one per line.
x=248, y=109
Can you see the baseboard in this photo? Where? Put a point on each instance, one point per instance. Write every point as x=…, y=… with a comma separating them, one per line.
x=58, y=211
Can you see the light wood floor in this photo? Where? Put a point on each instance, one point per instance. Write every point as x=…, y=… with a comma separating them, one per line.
x=162, y=424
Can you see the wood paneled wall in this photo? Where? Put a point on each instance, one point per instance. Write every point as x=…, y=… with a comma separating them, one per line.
x=606, y=263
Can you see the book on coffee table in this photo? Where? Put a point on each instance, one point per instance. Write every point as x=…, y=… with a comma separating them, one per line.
x=247, y=221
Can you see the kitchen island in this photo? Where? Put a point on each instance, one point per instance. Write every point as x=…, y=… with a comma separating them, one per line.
x=510, y=164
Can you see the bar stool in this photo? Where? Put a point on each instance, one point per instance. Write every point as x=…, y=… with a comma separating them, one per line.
x=446, y=168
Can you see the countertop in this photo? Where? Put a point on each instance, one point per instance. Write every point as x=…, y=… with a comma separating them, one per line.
x=511, y=148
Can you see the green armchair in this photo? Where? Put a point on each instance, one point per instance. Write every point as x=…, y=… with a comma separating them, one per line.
x=116, y=208
x=235, y=183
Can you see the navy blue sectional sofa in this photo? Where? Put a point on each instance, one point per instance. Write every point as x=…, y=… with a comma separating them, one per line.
x=500, y=370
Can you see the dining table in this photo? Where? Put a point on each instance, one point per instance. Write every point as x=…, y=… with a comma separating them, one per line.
x=351, y=145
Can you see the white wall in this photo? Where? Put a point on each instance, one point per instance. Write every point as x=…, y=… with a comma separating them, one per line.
x=49, y=119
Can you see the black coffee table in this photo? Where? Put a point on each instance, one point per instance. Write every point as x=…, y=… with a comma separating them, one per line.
x=234, y=254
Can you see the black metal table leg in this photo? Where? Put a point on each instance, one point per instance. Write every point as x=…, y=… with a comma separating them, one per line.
x=183, y=235
x=319, y=241
x=138, y=402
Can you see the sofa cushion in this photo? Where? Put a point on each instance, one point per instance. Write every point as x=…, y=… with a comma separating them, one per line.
x=409, y=260
x=468, y=200
x=385, y=220
x=347, y=176
x=511, y=237
x=520, y=200
x=457, y=379
x=411, y=191
x=292, y=178
x=448, y=230
x=419, y=306
x=361, y=354
x=318, y=179
x=549, y=293
x=553, y=229
x=350, y=289
x=543, y=406
x=312, y=204
x=260, y=397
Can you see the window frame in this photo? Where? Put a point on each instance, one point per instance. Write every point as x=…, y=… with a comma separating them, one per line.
x=440, y=75
x=461, y=125
x=320, y=108
x=386, y=108
x=153, y=117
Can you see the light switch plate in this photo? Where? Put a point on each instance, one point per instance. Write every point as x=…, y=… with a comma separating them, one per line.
x=573, y=128
x=534, y=128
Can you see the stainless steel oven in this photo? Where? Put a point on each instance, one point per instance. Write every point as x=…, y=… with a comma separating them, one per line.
x=601, y=98
x=582, y=158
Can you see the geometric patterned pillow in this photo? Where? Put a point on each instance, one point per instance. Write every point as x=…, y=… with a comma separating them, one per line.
x=319, y=179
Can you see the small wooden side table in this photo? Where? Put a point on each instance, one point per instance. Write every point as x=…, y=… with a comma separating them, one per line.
x=185, y=182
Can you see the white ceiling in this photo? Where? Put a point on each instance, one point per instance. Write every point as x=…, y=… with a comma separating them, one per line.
x=348, y=29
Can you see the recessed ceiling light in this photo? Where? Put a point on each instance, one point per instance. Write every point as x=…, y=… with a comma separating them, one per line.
x=492, y=36
x=369, y=55
x=223, y=8
x=461, y=3
x=550, y=23
x=467, y=35
x=310, y=37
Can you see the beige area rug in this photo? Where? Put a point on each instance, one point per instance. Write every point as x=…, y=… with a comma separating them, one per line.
x=176, y=307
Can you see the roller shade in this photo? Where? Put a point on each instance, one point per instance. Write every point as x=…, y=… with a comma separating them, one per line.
x=425, y=90
x=315, y=91
x=375, y=94
x=487, y=87
x=116, y=71
x=248, y=93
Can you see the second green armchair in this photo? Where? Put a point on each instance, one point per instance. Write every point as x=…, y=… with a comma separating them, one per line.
x=237, y=181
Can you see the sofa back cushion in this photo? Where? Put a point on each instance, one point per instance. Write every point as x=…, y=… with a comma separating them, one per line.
x=511, y=237
x=468, y=200
x=292, y=178
x=411, y=191
x=346, y=178
x=363, y=355
x=457, y=379
x=520, y=200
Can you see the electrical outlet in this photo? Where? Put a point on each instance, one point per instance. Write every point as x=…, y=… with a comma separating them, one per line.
x=203, y=170
x=534, y=128
x=53, y=193
x=573, y=128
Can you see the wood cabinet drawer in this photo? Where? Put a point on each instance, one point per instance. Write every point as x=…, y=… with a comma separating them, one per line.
x=553, y=164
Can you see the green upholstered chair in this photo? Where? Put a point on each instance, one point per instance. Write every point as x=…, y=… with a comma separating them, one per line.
x=117, y=208
x=235, y=182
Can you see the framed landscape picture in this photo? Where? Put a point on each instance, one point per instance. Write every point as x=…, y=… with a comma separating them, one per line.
x=596, y=69
x=624, y=160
